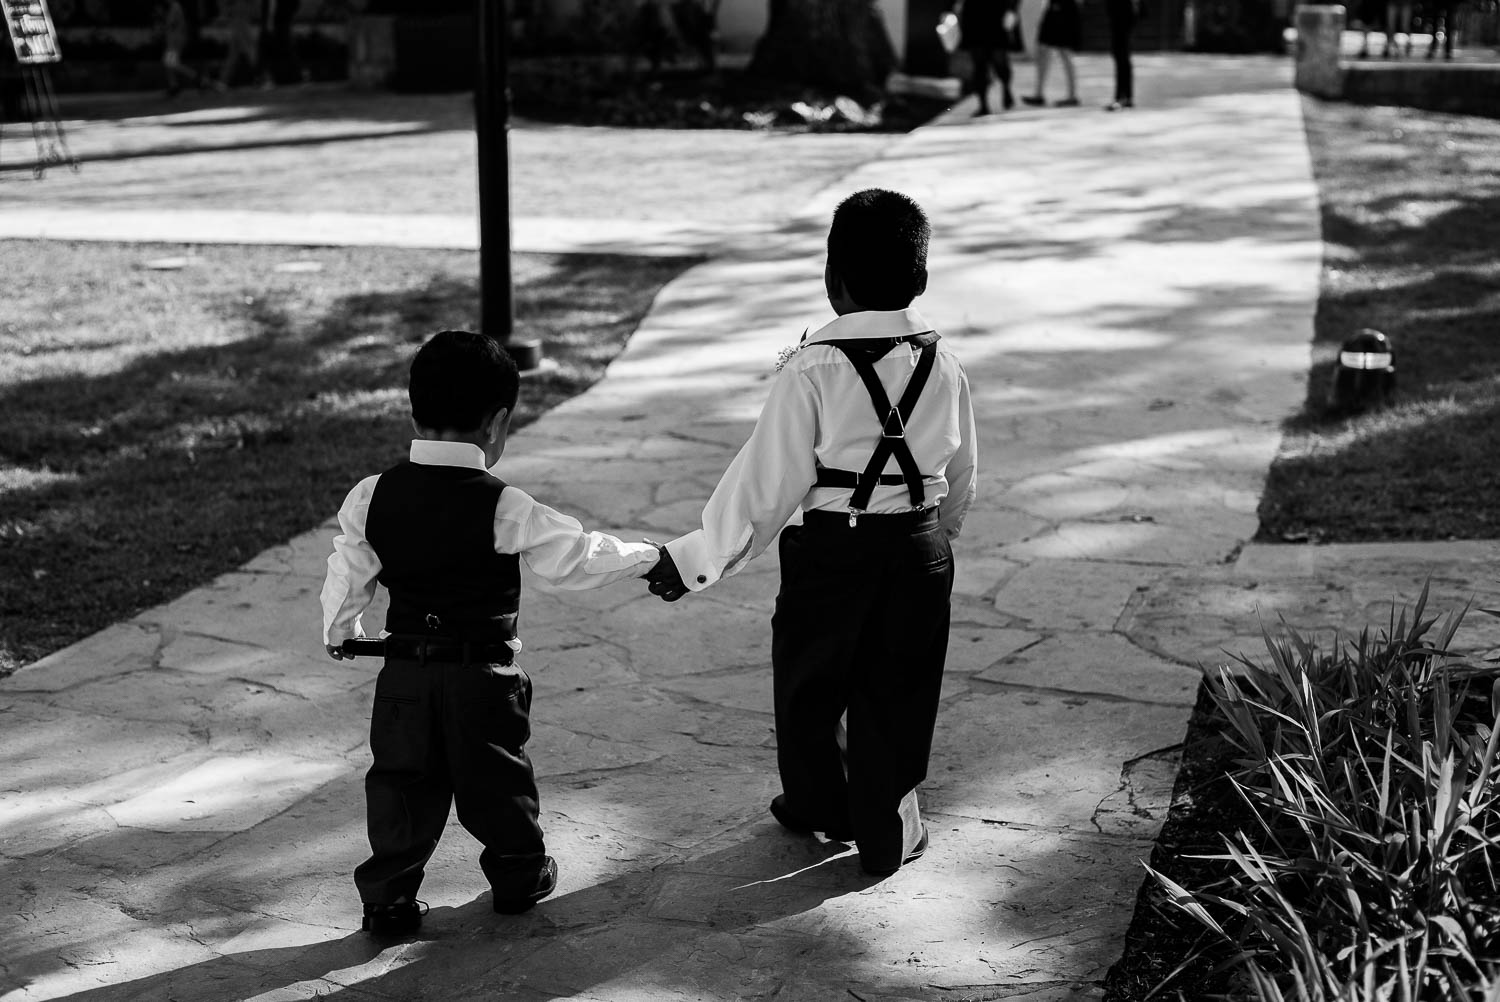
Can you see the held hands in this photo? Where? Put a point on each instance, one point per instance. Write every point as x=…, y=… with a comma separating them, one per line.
x=665, y=579
x=337, y=654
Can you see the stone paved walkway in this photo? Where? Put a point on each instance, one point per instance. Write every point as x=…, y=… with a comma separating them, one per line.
x=1132, y=295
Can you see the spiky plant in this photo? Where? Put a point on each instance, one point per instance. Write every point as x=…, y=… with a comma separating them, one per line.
x=1370, y=771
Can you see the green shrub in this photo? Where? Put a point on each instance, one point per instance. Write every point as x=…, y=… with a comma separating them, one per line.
x=1370, y=771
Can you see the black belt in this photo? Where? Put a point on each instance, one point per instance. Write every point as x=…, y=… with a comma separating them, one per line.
x=916, y=520
x=441, y=650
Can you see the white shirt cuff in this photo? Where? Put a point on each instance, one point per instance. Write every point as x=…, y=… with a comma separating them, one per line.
x=690, y=554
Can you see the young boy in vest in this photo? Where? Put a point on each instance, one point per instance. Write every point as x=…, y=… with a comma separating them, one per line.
x=450, y=720
x=869, y=428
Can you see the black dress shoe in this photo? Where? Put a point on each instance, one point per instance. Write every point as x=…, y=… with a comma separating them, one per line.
x=792, y=823
x=1035, y=102
x=911, y=857
x=393, y=920
x=546, y=883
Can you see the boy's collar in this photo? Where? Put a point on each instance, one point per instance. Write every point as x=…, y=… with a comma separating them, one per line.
x=872, y=324
x=430, y=452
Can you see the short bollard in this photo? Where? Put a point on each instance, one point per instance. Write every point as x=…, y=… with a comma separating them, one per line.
x=1365, y=377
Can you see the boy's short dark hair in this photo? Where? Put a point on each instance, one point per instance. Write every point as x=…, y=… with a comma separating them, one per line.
x=878, y=246
x=459, y=379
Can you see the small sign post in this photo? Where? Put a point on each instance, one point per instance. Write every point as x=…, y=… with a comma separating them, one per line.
x=34, y=39
x=32, y=32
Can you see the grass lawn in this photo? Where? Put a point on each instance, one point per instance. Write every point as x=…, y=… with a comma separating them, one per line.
x=160, y=427
x=1411, y=221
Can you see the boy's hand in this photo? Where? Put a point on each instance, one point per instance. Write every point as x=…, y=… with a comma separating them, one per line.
x=665, y=579
x=337, y=654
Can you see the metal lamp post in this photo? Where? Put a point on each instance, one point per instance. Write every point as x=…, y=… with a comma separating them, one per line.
x=492, y=127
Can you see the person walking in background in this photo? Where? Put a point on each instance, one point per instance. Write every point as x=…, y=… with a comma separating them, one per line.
x=1443, y=12
x=1123, y=15
x=1370, y=13
x=239, y=15
x=1060, y=34
x=1397, y=20
x=988, y=30
x=176, y=34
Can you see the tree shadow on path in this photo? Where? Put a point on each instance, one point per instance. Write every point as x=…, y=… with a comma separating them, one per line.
x=642, y=928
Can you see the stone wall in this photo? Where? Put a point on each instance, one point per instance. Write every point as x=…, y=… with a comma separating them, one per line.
x=1463, y=88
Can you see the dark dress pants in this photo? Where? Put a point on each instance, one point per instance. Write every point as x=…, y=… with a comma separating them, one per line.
x=861, y=625
x=442, y=733
x=983, y=58
x=1122, y=18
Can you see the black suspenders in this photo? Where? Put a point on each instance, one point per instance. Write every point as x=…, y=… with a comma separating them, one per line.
x=862, y=354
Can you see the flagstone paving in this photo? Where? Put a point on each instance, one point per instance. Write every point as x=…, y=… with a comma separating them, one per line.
x=1132, y=295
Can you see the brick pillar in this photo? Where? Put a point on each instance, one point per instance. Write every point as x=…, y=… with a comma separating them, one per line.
x=1320, y=30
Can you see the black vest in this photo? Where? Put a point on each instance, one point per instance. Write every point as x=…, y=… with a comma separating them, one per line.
x=433, y=528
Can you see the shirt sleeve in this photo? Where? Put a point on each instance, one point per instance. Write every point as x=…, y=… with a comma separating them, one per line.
x=963, y=468
x=761, y=489
x=558, y=549
x=353, y=568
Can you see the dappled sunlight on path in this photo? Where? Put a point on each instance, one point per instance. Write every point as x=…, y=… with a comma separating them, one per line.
x=1132, y=296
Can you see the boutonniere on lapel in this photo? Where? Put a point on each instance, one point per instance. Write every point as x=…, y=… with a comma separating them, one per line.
x=789, y=351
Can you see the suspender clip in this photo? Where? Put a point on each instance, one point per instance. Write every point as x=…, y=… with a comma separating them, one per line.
x=893, y=421
x=854, y=514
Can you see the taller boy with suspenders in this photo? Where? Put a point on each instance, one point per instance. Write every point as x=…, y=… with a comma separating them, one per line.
x=861, y=623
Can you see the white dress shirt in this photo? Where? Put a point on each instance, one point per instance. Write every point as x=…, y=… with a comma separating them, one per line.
x=555, y=546
x=820, y=414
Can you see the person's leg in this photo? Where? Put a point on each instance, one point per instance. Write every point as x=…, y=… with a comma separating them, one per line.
x=1003, y=71
x=486, y=723
x=894, y=697
x=1121, y=22
x=813, y=632
x=407, y=790
x=1043, y=58
x=1066, y=59
x=979, y=77
x=1390, y=30
x=172, y=65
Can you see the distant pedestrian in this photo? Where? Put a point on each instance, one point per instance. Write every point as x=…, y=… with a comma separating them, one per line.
x=242, y=43
x=988, y=31
x=1397, y=21
x=1123, y=15
x=861, y=623
x=1443, y=15
x=174, y=31
x=451, y=715
x=1059, y=35
x=1370, y=14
